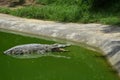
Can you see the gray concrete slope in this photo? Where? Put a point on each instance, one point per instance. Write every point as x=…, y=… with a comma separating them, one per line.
x=105, y=37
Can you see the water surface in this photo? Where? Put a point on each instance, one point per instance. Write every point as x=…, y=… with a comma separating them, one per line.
x=77, y=64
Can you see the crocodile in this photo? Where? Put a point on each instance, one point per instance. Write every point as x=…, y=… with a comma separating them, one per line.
x=36, y=48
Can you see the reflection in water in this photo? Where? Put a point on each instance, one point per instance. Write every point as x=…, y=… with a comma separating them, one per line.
x=39, y=55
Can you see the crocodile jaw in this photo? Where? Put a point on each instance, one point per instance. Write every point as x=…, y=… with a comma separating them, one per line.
x=59, y=50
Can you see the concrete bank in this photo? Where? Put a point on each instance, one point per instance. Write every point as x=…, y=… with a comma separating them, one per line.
x=105, y=37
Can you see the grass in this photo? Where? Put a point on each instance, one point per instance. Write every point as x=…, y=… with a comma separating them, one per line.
x=48, y=12
x=80, y=11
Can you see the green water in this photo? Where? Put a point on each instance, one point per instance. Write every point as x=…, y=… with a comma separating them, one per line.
x=82, y=63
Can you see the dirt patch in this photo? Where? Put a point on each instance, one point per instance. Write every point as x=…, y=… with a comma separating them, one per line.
x=13, y=3
x=4, y=2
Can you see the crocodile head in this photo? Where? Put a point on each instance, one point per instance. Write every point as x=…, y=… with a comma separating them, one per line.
x=59, y=47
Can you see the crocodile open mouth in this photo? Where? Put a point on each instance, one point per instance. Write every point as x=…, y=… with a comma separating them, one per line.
x=59, y=50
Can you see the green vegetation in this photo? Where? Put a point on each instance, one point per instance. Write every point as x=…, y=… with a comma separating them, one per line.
x=81, y=11
x=82, y=64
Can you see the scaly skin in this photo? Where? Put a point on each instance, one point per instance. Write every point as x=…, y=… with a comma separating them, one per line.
x=35, y=48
